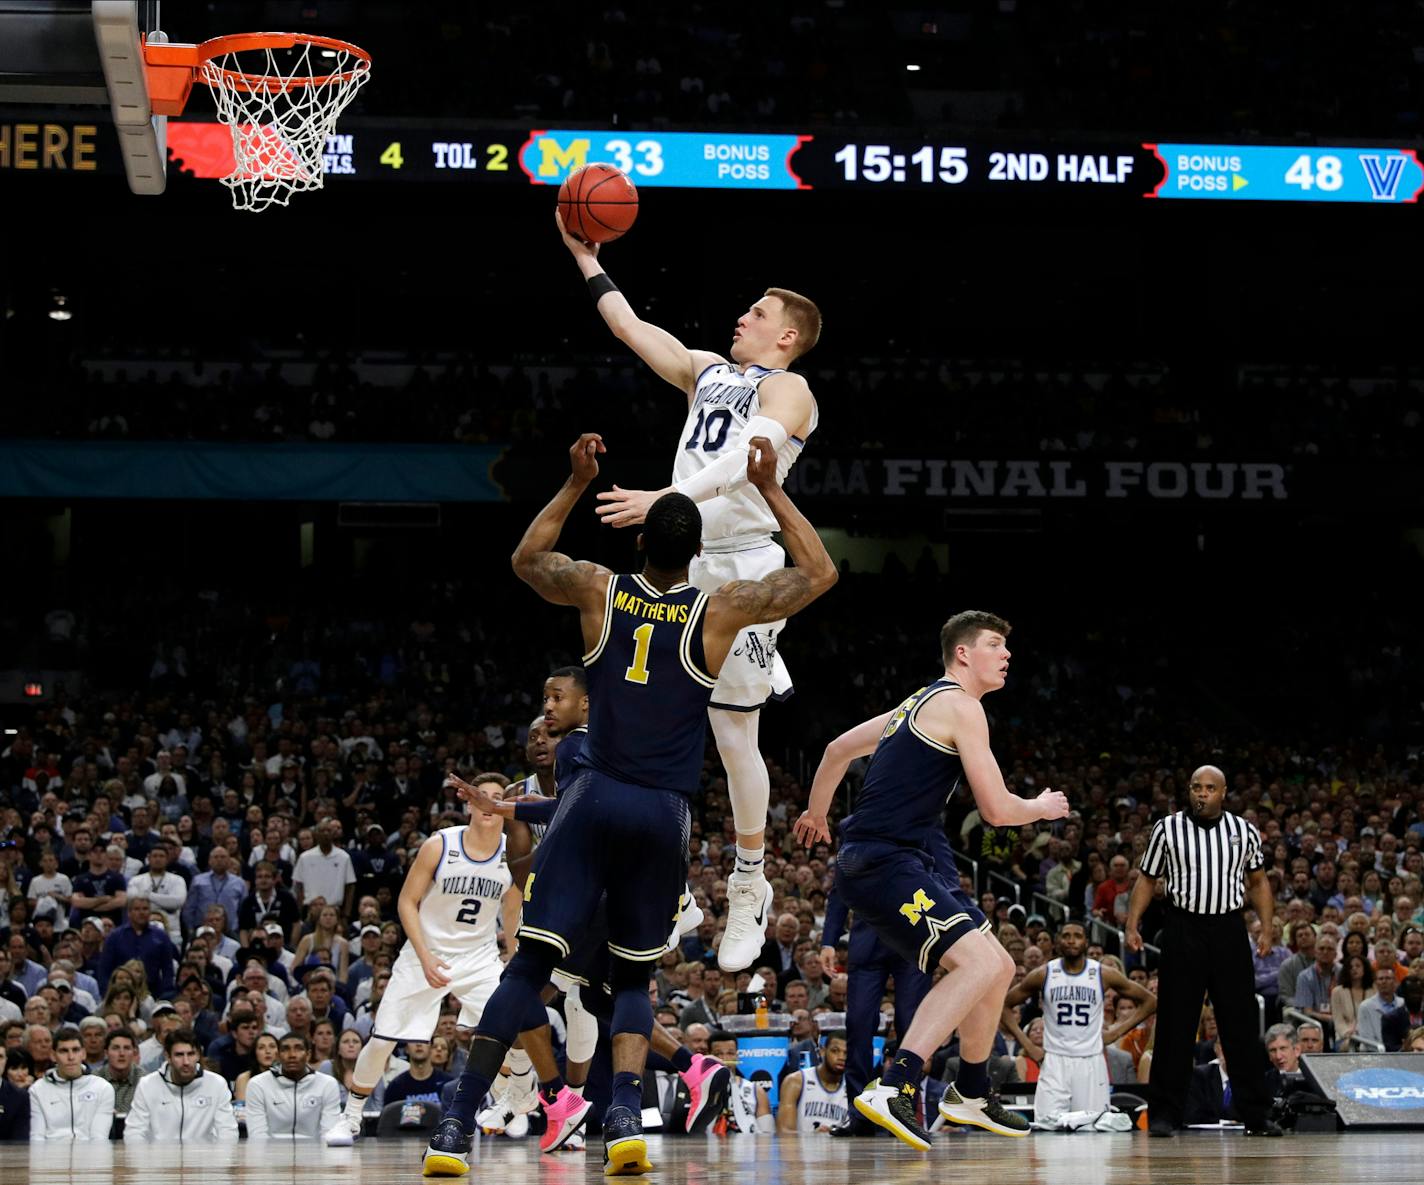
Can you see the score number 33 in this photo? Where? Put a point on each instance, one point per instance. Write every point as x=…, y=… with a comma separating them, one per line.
x=651, y=152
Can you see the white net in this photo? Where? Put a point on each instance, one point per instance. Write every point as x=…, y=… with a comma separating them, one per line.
x=281, y=105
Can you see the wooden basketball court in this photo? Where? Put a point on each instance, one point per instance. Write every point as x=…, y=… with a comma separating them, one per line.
x=1081, y=1159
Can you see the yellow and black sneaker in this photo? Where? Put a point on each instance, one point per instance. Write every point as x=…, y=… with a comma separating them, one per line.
x=893, y=1108
x=625, y=1150
x=448, y=1154
x=988, y=1113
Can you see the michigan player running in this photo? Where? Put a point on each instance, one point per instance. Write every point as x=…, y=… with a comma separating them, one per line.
x=655, y=646
x=814, y=1099
x=1075, y=1072
x=886, y=871
x=730, y=400
x=564, y=725
x=453, y=896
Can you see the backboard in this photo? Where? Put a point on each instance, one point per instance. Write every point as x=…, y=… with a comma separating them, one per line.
x=85, y=53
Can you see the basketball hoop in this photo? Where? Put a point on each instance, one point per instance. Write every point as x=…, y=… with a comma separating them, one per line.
x=280, y=93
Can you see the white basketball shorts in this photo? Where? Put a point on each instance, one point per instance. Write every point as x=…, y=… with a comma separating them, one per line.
x=410, y=1008
x=754, y=671
x=1071, y=1084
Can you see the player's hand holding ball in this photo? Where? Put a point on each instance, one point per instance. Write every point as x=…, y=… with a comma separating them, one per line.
x=583, y=457
x=575, y=244
x=1054, y=804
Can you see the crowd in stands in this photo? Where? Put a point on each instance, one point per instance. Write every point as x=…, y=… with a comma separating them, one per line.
x=195, y=878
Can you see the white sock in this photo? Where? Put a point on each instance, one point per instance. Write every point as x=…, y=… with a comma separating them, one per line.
x=355, y=1105
x=750, y=860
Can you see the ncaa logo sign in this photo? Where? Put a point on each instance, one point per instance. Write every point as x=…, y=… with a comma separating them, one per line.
x=1396, y=1089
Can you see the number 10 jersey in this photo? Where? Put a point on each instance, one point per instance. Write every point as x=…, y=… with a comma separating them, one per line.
x=724, y=401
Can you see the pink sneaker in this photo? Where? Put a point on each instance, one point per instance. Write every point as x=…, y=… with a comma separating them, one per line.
x=708, y=1082
x=563, y=1117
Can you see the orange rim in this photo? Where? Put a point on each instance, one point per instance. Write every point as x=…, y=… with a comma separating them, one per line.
x=195, y=57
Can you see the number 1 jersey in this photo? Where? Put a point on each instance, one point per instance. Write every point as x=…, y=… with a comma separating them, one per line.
x=724, y=401
x=648, y=687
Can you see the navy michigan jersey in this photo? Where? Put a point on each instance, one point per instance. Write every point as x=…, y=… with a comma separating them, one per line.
x=648, y=687
x=910, y=778
x=566, y=754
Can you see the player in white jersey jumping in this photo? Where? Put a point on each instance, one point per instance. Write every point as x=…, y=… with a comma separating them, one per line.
x=1074, y=1076
x=730, y=400
x=814, y=1099
x=452, y=899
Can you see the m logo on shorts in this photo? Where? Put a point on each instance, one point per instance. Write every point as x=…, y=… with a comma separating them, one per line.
x=920, y=904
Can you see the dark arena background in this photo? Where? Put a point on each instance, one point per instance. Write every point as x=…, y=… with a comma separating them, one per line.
x=1120, y=343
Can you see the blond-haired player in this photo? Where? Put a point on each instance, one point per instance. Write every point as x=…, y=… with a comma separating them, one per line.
x=731, y=399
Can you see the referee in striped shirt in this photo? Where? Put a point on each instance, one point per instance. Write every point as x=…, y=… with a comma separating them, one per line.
x=1212, y=860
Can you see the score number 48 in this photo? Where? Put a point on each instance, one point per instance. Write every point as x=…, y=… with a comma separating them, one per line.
x=1324, y=172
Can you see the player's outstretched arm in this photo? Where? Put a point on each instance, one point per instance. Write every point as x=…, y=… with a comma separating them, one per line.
x=786, y=408
x=859, y=741
x=672, y=360
x=784, y=593
x=959, y=720
x=554, y=576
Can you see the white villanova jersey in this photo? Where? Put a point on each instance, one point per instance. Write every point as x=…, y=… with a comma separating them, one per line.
x=724, y=401
x=819, y=1108
x=1073, y=1010
x=460, y=911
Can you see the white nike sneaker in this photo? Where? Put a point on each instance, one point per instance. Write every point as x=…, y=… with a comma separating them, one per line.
x=689, y=917
x=748, y=906
x=493, y=1120
x=342, y=1134
x=523, y=1094
x=573, y=1144
x=518, y=1127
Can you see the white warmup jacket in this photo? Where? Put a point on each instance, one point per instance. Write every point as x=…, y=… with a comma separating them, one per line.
x=164, y=1112
x=281, y=1108
x=71, y=1108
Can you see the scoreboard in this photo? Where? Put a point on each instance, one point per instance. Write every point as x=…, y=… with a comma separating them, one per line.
x=696, y=160
x=1098, y=171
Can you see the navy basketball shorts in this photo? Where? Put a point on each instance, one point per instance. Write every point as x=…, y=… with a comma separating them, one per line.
x=611, y=837
x=587, y=962
x=897, y=891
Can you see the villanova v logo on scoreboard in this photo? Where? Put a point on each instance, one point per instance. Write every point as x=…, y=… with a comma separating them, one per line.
x=1384, y=181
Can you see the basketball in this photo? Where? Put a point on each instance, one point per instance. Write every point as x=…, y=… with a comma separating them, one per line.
x=598, y=203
